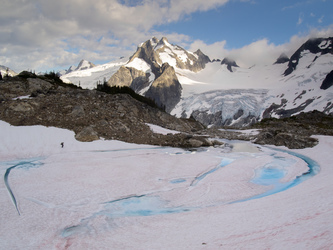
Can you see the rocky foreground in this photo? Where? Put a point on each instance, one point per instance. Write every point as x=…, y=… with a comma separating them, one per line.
x=28, y=99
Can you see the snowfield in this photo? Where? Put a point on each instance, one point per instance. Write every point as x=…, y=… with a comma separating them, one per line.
x=88, y=78
x=115, y=195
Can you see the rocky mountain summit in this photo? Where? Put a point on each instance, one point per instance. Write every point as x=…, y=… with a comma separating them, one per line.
x=150, y=71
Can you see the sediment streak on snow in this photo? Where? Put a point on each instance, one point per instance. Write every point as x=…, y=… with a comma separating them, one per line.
x=9, y=189
x=12, y=196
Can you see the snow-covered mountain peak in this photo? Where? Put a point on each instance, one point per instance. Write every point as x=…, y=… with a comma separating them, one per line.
x=7, y=71
x=163, y=42
x=157, y=52
x=84, y=64
x=89, y=77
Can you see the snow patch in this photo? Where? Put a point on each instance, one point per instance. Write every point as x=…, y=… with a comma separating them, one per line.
x=325, y=44
x=160, y=130
x=139, y=64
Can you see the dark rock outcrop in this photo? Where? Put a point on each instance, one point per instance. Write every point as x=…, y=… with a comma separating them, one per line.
x=278, y=138
x=281, y=112
x=283, y=58
x=295, y=131
x=230, y=63
x=207, y=118
x=328, y=81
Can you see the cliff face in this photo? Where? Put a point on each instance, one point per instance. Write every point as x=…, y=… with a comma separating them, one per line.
x=130, y=77
x=166, y=89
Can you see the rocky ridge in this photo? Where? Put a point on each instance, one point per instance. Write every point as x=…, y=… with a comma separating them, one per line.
x=91, y=114
x=295, y=131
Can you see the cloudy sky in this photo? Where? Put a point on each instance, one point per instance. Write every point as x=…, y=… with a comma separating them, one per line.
x=45, y=35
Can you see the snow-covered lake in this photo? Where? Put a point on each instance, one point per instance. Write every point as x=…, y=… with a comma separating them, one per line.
x=115, y=195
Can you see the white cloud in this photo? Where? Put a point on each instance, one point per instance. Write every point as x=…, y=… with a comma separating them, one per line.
x=32, y=32
x=214, y=51
x=300, y=19
x=48, y=34
x=327, y=32
x=260, y=52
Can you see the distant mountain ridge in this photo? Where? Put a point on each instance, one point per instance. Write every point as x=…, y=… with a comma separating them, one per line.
x=83, y=65
x=220, y=93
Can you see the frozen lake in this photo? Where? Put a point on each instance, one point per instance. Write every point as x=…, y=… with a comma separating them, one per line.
x=125, y=196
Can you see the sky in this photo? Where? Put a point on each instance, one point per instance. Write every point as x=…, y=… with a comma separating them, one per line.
x=45, y=35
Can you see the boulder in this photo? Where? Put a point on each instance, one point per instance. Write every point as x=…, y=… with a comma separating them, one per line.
x=21, y=107
x=36, y=85
x=194, y=143
x=78, y=111
x=87, y=134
